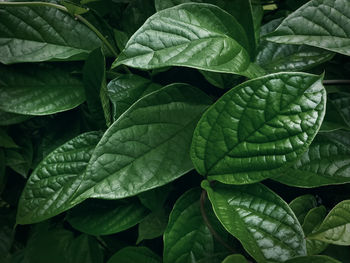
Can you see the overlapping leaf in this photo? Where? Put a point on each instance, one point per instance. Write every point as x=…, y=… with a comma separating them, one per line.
x=184, y=35
x=41, y=33
x=39, y=89
x=259, y=128
x=265, y=225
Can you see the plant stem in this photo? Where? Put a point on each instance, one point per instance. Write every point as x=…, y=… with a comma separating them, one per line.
x=207, y=223
x=64, y=9
x=336, y=82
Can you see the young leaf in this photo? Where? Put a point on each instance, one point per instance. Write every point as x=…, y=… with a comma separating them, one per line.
x=324, y=163
x=52, y=183
x=105, y=217
x=313, y=259
x=186, y=235
x=319, y=23
x=133, y=255
x=41, y=33
x=183, y=35
x=259, y=128
x=39, y=89
x=123, y=91
x=335, y=227
x=264, y=224
x=147, y=147
x=302, y=205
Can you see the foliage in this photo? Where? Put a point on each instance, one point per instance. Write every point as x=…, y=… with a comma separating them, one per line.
x=174, y=131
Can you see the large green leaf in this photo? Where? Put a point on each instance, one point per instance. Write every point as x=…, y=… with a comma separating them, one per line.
x=133, y=255
x=258, y=128
x=123, y=91
x=313, y=259
x=105, y=217
x=324, y=163
x=147, y=147
x=184, y=35
x=53, y=182
x=264, y=224
x=243, y=14
x=335, y=228
x=319, y=23
x=186, y=236
x=39, y=89
x=302, y=205
x=39, y=33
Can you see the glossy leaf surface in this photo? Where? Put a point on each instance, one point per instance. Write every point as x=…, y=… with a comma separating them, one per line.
x=39, y=89
x=38, y=33
x=183, y=35
x=264, y=224
x=147, y=147
x=258, y=128
x=335, y=227
x=52, y=183
x=324, y=163
x=135, y=254
x=104, y=217
x=186, y=236
x=319, y=23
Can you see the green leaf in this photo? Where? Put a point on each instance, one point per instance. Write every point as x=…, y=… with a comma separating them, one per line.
x=53, y=182
x=133, y=255
x=275, y=57
x=183, y=36
x=104, y=217
x=313, y=259
x=147, y=147
x=94, y=79
x=324, y=163
x=264, y=224
x=153, y=225
x=237, y=258
x=319, y=23
x=39, y=89
x=312, y=220
x=259, y=128
x=243, y=14
x=8, y=118
x=38, y=33
x=302, y=205
x=335, y=227
x=187, y=237
x=125, y=90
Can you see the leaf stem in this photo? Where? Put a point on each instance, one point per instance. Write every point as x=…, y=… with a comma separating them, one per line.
x=210, y=227
x=64, y=9
x=336, y=82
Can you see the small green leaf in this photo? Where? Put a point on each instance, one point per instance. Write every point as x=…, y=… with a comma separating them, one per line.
x=313, y=259
x=264, y=224
x=125, y=90
x=335, y=228
x=38, y=33
x=39, y=89
x=53, y=182
x=259, y=128
x=324, y=163
x=105, y=217
x=186, y=236
x=147, y=147
x=235, y=259
x=319, y=23
x=153, y=225
x=302, y=205
x=183, y=35
x=135, y=254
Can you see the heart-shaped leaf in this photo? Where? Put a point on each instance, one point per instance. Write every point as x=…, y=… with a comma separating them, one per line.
x=264, y=224
x=259, y=128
